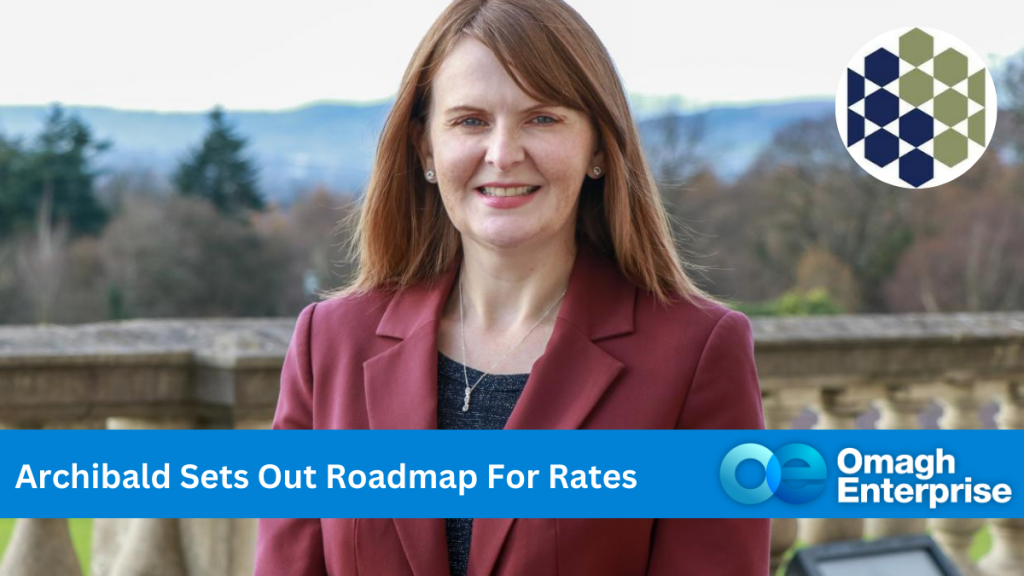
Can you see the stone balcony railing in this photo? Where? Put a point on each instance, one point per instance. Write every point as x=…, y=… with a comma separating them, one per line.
x=951, y=371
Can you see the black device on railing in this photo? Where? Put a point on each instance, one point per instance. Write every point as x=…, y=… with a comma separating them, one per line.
x=916, y=555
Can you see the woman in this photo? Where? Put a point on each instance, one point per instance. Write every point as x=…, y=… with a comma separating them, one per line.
x=516, y=271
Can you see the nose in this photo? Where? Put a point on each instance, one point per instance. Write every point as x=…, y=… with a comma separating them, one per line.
x=505, y=150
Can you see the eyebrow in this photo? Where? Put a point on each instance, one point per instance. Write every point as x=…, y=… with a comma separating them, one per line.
x=465, y=108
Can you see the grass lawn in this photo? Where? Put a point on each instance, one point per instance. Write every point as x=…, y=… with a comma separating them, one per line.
x=81, y=535
x=81, y=538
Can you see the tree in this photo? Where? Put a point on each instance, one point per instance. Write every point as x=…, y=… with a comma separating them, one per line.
x=59, y=165
x=40, y=264
x=219, y=171
x=674, y=148
x=967, y=256
x=12, y=159
x=180, y=257
x=319, y=226
x=807, y=193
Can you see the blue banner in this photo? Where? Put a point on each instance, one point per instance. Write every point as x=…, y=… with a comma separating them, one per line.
x=510, y=473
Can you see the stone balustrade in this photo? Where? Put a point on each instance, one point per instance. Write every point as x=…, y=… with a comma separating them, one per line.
x=898, y=372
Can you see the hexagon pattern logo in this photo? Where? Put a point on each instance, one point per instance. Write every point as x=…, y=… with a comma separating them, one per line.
x=916, y=107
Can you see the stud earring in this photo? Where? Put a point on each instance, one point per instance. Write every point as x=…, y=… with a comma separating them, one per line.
x=430, y=175
x=597, y=171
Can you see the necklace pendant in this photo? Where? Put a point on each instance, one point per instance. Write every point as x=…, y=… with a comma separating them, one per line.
x=465, y=404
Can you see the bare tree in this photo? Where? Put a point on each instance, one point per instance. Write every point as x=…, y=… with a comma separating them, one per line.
x=967, y=256
x=40, y=263
x=806, y=193
x=323, y=225
x=177, y=256
x=675, y=147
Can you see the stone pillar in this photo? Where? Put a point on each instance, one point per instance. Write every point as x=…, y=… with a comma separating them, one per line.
x=779, y=411
x=107, y=539
x=243, y=530
x=1006, y=557
x=955, y=536
x=40, y=547
x=780, y=408
x=151, y=546
x=837, y=410
x=1011, y=406
x=960, y=406
x=206, y=545
x=900, y=408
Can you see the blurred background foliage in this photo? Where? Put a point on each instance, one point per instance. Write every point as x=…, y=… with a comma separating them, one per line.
x=802, y=230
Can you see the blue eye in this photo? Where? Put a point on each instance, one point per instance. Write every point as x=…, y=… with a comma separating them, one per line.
x=544, y=120
x=471, y=122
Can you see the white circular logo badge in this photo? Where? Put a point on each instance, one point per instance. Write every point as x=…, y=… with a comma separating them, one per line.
x=916, y=107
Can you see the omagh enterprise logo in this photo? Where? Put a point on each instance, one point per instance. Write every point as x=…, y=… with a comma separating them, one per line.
x=795, y=473
x=916, y=107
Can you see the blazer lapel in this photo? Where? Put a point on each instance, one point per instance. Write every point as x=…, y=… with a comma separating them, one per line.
x=401, y=393
x=574, y=372
x=425, y=545
x=558, y=395
x=566, y=384
x=401, y=382
x=570, y=378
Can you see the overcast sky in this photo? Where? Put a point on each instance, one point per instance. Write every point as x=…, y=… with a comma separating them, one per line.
x=257, y=54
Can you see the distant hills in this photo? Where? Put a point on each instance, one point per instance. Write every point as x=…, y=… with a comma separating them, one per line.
x=333, y=144
x=734, y=136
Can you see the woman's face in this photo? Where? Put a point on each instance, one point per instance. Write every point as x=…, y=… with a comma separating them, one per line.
x=508, y=167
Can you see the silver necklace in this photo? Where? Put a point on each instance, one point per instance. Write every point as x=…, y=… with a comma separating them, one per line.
x=465, y=372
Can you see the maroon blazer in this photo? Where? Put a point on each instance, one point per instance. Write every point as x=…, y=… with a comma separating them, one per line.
x=616, y=360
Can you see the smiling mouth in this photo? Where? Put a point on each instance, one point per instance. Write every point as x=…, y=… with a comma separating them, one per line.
x=507, y=192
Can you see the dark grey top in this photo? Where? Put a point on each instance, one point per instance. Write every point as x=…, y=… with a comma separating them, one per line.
x=490, y=407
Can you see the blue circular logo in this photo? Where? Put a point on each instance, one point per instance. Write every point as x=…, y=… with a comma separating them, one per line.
x=791, y=484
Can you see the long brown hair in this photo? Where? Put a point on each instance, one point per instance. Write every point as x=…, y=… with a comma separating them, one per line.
x=404, y=235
